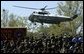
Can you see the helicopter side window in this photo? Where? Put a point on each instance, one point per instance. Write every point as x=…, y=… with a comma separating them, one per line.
x=34, y=12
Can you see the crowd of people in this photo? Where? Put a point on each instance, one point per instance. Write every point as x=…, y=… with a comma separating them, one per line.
x=45, y=44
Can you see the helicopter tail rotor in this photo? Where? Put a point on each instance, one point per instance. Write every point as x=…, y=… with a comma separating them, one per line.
x=73, y=17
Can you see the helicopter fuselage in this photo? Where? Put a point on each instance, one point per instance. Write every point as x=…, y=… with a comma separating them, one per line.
x=50, y=19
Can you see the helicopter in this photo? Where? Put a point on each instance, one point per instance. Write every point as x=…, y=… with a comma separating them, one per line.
x=43, y=16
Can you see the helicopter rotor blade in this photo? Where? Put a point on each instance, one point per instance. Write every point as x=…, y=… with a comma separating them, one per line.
x=35, y=8
x=45, y=6
x=50, y=8
x=26, y=7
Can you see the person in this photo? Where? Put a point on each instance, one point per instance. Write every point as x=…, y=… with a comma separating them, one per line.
x=80, y=39
x=53, y=36
x=43, y=36
x=40, y=46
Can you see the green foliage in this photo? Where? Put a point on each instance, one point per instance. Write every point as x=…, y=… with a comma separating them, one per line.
x=70, y=8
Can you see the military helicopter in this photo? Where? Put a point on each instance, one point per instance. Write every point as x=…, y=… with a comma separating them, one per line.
x=43, y=16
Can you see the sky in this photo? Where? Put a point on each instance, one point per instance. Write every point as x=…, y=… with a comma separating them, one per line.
x=8, y=5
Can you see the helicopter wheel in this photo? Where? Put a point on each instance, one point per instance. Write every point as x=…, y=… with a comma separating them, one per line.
x=41, y=23
x=34, y=23
x=58, y=25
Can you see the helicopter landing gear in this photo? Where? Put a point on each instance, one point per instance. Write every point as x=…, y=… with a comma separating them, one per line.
x=41, y=23
x=58, y=25
x=34, y=23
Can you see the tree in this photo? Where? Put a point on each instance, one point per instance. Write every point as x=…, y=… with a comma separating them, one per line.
x=4, y=18
x=16, y=21
x=70, y=8
x=13, y=22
